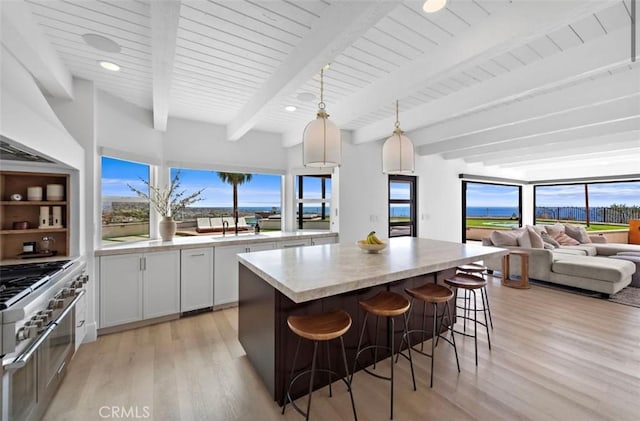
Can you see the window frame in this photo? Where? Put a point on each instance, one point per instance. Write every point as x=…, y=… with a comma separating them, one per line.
x=464, y=203
x=412, y=202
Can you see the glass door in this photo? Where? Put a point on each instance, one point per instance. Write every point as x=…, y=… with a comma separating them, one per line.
x=402, y=206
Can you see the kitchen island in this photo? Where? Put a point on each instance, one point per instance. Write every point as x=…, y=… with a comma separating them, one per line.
x=277, y=283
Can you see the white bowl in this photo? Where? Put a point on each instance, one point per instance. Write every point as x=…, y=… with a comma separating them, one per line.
x=371, y=248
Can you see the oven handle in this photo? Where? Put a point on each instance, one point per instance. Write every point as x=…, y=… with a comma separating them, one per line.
x=23, y=358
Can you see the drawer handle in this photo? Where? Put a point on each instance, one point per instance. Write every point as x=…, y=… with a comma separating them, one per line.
x=196, y=255
x=294, y=245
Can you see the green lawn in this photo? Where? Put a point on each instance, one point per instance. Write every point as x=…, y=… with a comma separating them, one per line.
x=507, y=223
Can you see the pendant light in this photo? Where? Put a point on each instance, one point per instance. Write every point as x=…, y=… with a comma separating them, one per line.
x=321, y=138
x=397, y=152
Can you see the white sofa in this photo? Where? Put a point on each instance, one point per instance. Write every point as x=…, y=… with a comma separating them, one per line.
x=585, y=266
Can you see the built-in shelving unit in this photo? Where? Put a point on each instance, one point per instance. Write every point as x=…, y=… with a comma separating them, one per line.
x=15, y=211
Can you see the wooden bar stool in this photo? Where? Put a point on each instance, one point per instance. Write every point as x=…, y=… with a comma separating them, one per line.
x=385, y=304
x=319, y=328
x=472, y=283
x=478, y=269
x=433, y=294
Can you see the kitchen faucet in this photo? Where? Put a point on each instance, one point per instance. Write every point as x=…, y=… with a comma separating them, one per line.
x=225, y=227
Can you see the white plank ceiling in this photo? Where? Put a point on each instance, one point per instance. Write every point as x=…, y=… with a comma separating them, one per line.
x=496, y=82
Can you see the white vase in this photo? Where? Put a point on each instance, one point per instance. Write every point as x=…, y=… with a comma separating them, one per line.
x=167, y=228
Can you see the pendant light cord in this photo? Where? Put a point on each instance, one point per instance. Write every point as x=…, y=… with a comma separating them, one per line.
x=397, y=115
x=321, y=104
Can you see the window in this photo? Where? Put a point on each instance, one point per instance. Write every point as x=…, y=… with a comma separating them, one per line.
x=598, y=206
x=125, y=216
x=487, y=207
x=259, y=198
x=402, y=206
x=314, y=202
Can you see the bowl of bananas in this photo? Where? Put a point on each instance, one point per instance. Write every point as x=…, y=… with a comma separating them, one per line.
x=372, y=244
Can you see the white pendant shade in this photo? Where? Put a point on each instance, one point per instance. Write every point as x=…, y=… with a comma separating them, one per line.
x=321, y=143
x=398, y=155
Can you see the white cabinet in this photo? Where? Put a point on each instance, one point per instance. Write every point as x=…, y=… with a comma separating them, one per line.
x=226, y=271
x=196, y=275
x=298, y=242
x=135, y=287
x=323, y=240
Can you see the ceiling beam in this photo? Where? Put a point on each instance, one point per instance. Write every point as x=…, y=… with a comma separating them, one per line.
x=512, y=27
x=165, y=16
x=578, y=96
x=549, y=139
x=603, y=143
x=339, y=26
x=587, y=116
x=24, y=38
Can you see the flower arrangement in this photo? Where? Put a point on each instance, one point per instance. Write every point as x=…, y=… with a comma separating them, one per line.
x=168, y=200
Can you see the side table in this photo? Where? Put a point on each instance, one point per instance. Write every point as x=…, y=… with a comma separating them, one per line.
x=523, y=282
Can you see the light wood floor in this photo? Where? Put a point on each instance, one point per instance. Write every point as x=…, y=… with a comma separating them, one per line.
x=556, y=356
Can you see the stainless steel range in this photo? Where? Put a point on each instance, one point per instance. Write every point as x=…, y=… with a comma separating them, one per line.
x=37, y=340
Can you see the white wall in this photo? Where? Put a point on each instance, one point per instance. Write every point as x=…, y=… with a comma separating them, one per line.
x=79, y=118
x=204, y=145
x=125, y=127
x=26, y=117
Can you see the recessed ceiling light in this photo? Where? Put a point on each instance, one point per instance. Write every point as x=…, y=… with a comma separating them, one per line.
x=290, y=108
x=306, y=97
x=109, y=66
x=432, y=6
x=101, y=43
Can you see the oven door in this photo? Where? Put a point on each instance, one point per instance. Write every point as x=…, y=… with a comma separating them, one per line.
x=20, y=390
x=31, y=380
x=53, y=356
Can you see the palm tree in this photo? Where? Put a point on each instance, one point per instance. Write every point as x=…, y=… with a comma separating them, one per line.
x=235, y=179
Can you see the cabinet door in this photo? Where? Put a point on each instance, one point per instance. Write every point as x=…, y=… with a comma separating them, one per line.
x=300, y=242
x=161, y=284
x=196, y=279
x=120, y=289
x=323, y=240
x=226, y=274
x=226, y=271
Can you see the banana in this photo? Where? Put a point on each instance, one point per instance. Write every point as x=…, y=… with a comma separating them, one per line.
x=373, y=239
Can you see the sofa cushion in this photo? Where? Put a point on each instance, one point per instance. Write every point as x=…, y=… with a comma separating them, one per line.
x=565, y=240
x=600, y=268
x=539, y=229
x=536, y=240
x=635, y=278
x=555, y=229
x=559, y=252
x=505, y=238
x=586, y=249
x=546, y=238
x=578, y=233
x=609, y=249
x=524, y=240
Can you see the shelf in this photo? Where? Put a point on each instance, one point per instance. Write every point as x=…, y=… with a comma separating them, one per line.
x=33, y=202
x=33, y=231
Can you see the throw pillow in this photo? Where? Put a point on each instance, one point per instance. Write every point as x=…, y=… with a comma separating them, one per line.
x=548, y=240
x=505, y=238
x=578, y=233
x=555, y=229
x=565, y=240
x=534, y=237
x=524, y=240
x=539, y=229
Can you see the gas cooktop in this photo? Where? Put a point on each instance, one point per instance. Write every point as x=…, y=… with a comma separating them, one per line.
x=18, y=281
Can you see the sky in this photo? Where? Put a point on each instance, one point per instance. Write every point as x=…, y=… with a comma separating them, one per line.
x=600, y=194
x=262, y=191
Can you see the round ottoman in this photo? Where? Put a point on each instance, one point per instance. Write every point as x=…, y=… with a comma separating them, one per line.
x=635, y=258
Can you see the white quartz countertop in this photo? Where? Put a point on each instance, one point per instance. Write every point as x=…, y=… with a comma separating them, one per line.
x=309, y=273
x=214, y=240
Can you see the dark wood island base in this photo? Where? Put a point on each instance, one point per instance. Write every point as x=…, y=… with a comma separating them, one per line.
x=270, y=345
